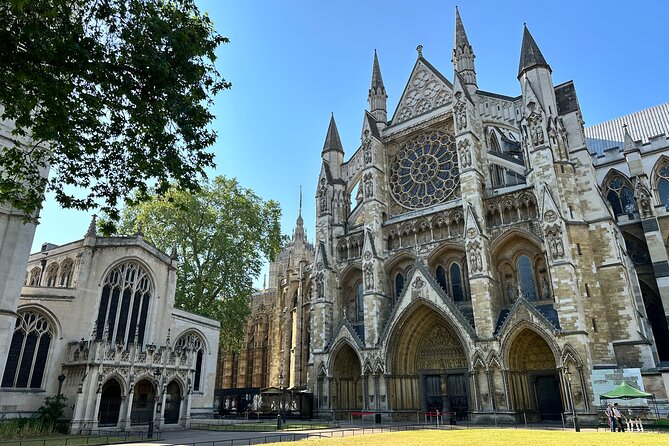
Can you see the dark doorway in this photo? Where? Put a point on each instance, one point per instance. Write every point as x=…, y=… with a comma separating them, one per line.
x=434, y=399
x=172, y=403
x=110, y=404
x=142, y=403
x=549, y=403
x=456, y=389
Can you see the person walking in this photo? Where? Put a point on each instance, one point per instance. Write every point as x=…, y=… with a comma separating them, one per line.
x=610, y=417
x=620, y=418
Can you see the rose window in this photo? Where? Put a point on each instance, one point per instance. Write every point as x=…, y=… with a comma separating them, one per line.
x=425, y=171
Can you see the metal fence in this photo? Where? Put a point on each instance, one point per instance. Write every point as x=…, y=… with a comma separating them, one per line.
x=101, y=438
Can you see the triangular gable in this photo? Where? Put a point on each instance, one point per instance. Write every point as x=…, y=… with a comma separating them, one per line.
x=345, y=331
x=426, y=89
x=322, y=256
x=522, y=309
x=370, y=123
x=421, y=285
x=549, y=208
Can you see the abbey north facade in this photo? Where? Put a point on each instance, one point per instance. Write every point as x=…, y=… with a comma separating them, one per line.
x=497, y=259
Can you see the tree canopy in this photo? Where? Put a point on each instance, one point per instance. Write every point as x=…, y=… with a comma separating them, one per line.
x=221, y=233
x=118, y=90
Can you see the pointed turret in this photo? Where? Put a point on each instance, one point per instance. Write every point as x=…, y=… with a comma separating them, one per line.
x=333, y=151
x=530, y=55
x=377, y=94
x=332, y=141
x=463, y=54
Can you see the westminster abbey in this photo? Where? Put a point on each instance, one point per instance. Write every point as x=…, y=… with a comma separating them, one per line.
x=478, y=253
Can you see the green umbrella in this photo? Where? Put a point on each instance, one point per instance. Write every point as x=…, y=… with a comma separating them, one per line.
x=626, y=392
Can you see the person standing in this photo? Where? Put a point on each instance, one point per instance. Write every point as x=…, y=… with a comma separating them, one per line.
x=620, y=418
x=610, y=417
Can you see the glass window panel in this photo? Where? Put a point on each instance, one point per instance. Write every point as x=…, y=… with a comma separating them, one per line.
x=526, y=276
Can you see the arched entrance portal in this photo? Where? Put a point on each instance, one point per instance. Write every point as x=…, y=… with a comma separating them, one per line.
x=110, y=404
x=429, y=366
x=142, y=403
x=172, y=403
x=533, y=378
x=346, y=380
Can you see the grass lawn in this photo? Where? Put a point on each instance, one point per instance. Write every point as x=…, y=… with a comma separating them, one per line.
x=69, y=440
x=491, y=437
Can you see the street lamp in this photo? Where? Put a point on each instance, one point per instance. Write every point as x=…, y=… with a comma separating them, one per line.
x=156, y=374
x=282, y=406
x=567, y=375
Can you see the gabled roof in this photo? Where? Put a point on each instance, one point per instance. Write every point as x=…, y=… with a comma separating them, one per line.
x=418, y=85
x=371, y=122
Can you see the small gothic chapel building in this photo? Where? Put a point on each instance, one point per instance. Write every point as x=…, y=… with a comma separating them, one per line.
x=96, y=322
x=480, y=269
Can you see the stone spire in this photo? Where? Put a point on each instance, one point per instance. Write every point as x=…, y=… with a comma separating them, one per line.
x=332, y=141
x=530, y=55
x=463, y=54
x=630, y=145
x=377, y=94
x=92, y=227
x=298, y=233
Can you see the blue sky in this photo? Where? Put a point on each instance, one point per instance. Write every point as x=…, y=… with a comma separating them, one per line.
x=292, y=63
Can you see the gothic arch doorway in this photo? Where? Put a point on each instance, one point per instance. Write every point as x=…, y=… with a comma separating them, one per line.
x=346, y=380
x=429, y=365
x=172, y=403
x=142, y=403
x=533, y=377
x=110, y=404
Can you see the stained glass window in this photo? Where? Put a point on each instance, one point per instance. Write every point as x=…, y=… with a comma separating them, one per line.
x=441, y=277
x=620, y=196
x=399, y=284
x=194, y=342
x=663, y=185
x=124, y=304
x=425, y=171
x=526, y=276
x=456, y=283
x=28, y=351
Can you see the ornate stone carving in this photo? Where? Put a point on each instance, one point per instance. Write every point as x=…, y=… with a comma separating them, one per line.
x=367, y=148
x=643, y=200
x=475, y=256
x=554, y=240
x=369, y=185
x=535, y=125
x=460, y=110
x=418, y=283
x=367, y=256
x=465, y=153
x=322, y=197
x=550, y=216
x=369, y=276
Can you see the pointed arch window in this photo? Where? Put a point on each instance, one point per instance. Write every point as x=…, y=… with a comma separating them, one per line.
x=441, y=277
x=456, y=283
x=494, y=143
x=526, y=278
x=361, y=302
x=66, y=271
x=399, y=285
x=28, y=351
x=34, y=276
x=124, y=305
x=663, y=185
x=194, y=342
x=620, y=195
x=52, y=275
